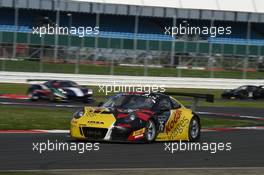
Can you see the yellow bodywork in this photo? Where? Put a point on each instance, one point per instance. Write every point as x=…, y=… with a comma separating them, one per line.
x=176, y=127
x=91, y=119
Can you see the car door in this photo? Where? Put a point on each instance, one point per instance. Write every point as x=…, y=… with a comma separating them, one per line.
x=251, y=91
x=164, y=108
x=169, y=119
x=261, y=92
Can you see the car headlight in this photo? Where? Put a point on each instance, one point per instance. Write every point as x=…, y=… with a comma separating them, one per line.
x=78, y=114
x=130, y=118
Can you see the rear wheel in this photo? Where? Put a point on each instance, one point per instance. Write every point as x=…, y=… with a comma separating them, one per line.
x=194, y=129
x=150, y=131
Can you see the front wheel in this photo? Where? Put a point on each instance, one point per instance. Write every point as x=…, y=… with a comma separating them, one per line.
x=150, y=131
x=194, y=129
x=32, y=96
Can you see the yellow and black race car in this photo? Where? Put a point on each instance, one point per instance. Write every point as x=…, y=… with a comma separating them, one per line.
x=137, y=117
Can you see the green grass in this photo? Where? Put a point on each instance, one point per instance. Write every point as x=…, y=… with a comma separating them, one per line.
x=9, y=88
x=34, y=118
x=22, y=89
x=41, y=118
x=208, y=122
x=34, y=66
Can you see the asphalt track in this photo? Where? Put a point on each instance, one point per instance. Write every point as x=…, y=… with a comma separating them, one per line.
x=17, y=153
x=16, y=149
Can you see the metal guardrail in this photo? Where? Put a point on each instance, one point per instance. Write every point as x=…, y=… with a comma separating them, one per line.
x=107, y=80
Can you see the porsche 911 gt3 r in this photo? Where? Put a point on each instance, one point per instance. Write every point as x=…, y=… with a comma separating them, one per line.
x=137, y=117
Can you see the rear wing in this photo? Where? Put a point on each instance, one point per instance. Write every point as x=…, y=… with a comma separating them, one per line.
x=37, y=81
x=195, y=96
x=29, y=80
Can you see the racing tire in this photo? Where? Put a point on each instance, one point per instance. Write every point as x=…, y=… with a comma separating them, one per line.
x=194, y=129
x=32, y=96
x=150, y=131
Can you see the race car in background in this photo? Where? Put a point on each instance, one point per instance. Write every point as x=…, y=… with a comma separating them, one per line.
x=244, y=92
x=59, y=90
x=137, y=117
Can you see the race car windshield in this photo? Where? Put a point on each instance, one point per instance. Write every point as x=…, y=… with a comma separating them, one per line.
x=242, y=88
x=114, y=101
x=68, y=84
x=138, y=102
x=130, y=102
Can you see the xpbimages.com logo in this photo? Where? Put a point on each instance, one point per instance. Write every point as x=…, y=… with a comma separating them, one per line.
x=212, y=147
x=186, y=29
x=139, y=88
x=50, y=146
x=80, y=31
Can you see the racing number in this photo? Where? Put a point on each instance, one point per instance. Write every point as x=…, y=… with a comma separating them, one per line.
x=164, y=106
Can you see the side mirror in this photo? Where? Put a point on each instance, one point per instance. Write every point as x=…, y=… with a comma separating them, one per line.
x=100, y=104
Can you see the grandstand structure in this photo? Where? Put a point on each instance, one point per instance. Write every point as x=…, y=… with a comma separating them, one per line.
x=133, y=32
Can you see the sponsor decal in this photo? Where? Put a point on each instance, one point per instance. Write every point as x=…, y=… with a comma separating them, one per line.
x=139, y=132
x=91, y=113
x=139, y=136
x=171, y=123
x=95, y=122
x=179, y=127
